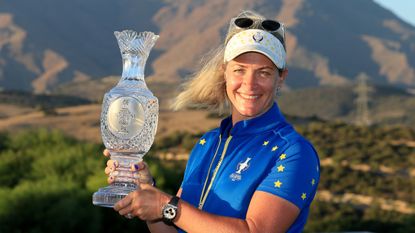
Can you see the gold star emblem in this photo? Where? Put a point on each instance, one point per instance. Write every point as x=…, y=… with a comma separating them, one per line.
x=278, y=184
x=283, y=156
x=265, y=143
x=202, y=142
x=303, y=196
x=313, y=182
x=280, y=168
x=274, y=148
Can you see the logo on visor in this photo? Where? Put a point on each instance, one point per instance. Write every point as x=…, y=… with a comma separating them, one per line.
x=258, y=37
x=242, y=166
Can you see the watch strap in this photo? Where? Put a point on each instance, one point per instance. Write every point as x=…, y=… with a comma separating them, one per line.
x=174, y=201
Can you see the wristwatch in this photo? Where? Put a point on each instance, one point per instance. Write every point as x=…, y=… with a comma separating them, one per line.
x=170, y=211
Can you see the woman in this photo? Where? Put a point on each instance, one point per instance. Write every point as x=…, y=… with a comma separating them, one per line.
x=252, y=174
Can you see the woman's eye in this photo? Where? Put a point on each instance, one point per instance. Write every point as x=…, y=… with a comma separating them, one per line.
x=265, y=73
x=238, y=71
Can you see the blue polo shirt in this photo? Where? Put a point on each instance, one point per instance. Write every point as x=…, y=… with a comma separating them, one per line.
x=228, y=164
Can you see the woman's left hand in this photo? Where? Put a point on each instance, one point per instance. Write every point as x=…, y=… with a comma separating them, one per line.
x=145, y=203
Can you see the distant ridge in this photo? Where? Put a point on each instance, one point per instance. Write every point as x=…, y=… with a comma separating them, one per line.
x=387, y=105
x=329, y=42
x=27, y=99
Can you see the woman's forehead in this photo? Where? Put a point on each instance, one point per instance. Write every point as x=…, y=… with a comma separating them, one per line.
x=252, y=58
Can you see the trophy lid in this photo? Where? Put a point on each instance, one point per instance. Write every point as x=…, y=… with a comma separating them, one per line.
x=135, y=43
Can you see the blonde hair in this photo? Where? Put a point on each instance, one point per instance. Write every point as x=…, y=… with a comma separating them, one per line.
x=207, y=88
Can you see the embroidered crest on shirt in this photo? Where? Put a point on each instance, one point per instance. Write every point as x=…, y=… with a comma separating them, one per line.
x=242, y=166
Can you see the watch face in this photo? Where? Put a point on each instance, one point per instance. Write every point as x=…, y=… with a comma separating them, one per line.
x=169, y=212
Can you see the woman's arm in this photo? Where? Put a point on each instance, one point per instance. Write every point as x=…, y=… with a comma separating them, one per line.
x=266, y=213
x=158, y=226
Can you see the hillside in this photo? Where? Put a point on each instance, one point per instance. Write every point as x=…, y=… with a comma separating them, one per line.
x=387, y=105
x=44, y=45
x=82, y=89
x=367, y=180
x=27, y=99
x=79, y=117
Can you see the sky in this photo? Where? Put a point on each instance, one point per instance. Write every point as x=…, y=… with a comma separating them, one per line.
x=404, y=9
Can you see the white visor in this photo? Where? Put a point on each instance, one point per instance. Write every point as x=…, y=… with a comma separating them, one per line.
x=256, y=40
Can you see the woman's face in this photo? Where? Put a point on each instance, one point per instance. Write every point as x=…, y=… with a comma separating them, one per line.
x=251, y=80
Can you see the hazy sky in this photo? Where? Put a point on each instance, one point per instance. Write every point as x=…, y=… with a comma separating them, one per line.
x=405, y=9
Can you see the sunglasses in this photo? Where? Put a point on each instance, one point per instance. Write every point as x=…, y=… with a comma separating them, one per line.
x=275, y=28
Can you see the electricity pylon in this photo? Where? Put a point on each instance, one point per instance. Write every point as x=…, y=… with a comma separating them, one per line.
x=362, y=101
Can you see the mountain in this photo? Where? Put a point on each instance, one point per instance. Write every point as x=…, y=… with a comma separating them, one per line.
x=386, y=105
x=78, y=115
x=47, y=43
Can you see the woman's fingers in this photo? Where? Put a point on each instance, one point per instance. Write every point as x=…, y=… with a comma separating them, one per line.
x=145, y=178
x=139, y=166
x=138, y=171
x=142, y=173
x=127, y=210
x=108, y=170
x=124, y=205
x=135, y=167
x=106, y=153
x=112, y=164
x=144, y=203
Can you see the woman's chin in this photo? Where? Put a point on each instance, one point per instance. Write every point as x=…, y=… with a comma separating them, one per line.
x=249, y=112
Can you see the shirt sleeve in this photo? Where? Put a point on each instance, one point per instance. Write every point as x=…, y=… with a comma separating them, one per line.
x=294, y=175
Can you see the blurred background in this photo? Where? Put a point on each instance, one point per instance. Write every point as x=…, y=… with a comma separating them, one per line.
x=350, y=90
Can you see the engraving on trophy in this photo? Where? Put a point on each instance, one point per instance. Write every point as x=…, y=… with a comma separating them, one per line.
x=125, y=117
x=129, y=116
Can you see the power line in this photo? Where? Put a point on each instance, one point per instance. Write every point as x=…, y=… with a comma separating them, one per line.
x=362, y=101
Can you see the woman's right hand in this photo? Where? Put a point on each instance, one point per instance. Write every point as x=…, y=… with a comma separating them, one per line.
x=140, y=171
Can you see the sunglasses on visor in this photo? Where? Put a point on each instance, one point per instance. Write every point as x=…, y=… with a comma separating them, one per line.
x=271, y=26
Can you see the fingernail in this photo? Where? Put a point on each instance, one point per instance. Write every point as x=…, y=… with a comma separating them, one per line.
x=112, y=163
x=110, y=179
x=135, y=167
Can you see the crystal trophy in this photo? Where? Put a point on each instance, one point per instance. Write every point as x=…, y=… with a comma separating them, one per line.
x=129, y=116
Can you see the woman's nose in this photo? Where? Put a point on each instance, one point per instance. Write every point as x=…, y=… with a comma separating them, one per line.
x=250, y=79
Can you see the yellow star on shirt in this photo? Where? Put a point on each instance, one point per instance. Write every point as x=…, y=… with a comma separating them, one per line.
x=313, y=182
x=280, y=168
x=303, y=196
x=265, y=143
x=283, y=156
x=202, y=142
x=278, y=184
x=274, y=148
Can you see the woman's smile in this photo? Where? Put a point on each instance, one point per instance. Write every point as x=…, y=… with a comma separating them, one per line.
x=251, y=80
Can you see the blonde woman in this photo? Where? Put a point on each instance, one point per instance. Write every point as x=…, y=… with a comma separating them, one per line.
x=254, y=173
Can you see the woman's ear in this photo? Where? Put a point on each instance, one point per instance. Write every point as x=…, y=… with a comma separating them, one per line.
x=222, y=69
x=283, y=75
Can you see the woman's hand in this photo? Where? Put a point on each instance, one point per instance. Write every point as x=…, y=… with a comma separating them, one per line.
x=145, y=203
x=140, y=171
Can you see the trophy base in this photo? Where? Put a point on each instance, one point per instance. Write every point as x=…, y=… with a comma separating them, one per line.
x=108, y=196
